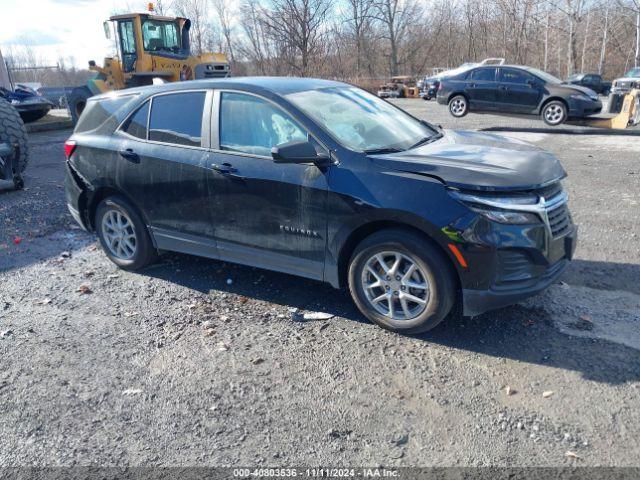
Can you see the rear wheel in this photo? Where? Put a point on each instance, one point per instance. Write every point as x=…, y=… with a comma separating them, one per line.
x=401, y=282
x=123, y=234
x=554, y=113
x=77, y=101
x=459, y=106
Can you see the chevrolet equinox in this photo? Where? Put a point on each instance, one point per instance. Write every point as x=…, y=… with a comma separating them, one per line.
x=323, y=180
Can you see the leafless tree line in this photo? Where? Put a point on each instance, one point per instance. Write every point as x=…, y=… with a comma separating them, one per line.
x=366, y=40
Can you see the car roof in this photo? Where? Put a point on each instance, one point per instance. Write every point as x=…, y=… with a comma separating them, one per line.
x=277, y=85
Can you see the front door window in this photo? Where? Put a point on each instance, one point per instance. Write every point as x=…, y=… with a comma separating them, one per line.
x=252, y=125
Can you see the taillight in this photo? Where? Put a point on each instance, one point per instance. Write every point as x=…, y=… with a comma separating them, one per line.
x=69, y=148
x=440, y=86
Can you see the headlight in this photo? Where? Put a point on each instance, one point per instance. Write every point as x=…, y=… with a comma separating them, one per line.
x=505, y=216
x=501, y=209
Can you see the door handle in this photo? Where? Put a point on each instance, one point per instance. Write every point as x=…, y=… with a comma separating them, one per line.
x=130, y=155
x=224, y=169
x=473, y=85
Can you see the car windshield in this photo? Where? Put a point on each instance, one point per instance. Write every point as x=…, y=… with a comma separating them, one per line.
x=547, y=77
x=160, y=35
x=361, y=121
x=634, y=72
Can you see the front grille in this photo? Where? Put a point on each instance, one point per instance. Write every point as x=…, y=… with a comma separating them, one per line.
x=559, y=220
x=215, y=74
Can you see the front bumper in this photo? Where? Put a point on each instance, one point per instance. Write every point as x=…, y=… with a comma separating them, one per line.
x=503, y=293
x=508, y=263
x=584, y=108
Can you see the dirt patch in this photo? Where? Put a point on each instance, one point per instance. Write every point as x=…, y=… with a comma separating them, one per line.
x=612, y=315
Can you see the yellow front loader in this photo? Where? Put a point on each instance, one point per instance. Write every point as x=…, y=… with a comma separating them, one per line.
x=149, y=46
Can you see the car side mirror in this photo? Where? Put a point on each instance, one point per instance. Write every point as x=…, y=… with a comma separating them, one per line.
x=298, y=151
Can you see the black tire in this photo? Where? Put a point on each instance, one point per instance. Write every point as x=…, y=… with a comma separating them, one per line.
x=436, y=269
x=554, y=113
x=458, y=106
x=144, y=253
x=12, y=131
x=18, y=183
x=77, y=101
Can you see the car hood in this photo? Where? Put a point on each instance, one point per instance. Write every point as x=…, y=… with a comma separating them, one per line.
x=478, y=161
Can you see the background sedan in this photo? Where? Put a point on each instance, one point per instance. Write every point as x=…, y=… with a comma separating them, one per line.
x=516, y=90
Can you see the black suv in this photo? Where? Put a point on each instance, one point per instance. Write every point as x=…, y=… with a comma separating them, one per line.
x=326, y=181
x=515, y=90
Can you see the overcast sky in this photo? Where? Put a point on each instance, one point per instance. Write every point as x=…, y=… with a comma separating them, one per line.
x=61, y=28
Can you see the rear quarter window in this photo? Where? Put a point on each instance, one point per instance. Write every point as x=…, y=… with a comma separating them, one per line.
x=136, y=124
x=104, y=114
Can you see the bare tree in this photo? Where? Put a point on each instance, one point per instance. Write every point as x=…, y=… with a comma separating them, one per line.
x=633, y=7
x=299, y=26
x=224, y=14
x=198, y=12
x=396, y=16
x=358, y=19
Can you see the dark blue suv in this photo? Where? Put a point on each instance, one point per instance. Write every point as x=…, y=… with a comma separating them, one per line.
x=323, y=180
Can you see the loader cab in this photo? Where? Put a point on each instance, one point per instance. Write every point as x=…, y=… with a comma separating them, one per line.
x=140, y=37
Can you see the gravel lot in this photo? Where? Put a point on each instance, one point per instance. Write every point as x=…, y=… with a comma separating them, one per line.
x=197, y=362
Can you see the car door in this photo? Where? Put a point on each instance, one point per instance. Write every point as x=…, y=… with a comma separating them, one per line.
x=482, y=88
x=268, y=215
x=518, y=91
x=163, y=156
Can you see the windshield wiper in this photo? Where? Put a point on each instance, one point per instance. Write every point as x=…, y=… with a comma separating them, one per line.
x=382, y=150
x=426, y=140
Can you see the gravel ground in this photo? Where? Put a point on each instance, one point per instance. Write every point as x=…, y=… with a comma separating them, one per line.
x=197, y=362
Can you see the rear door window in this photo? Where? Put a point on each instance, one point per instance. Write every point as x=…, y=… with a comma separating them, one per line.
x=136, y=124
x=484, y=75
x=177, y=118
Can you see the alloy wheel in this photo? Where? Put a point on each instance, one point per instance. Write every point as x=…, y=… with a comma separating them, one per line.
x=554, y=114
x=395, y=286
x=119, y=234
x=458, y=106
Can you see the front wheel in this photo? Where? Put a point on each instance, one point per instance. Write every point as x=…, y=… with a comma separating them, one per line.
x=459, y=106
x=123, y=234
x=401, y=282
x=554, y=113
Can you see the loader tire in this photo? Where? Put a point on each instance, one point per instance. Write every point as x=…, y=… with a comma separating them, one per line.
x=12, y=131
x=77, y=102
